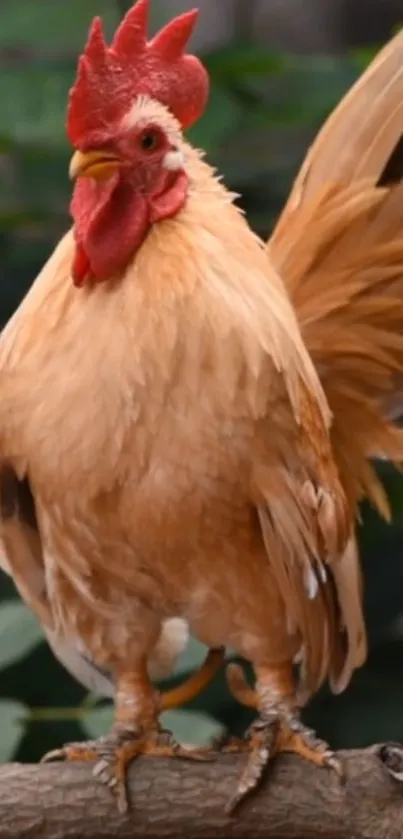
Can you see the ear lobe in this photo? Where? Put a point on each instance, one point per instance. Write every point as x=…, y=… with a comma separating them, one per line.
x=173, y=160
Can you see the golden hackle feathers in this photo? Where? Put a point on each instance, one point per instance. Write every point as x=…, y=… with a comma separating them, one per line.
x=218, y=295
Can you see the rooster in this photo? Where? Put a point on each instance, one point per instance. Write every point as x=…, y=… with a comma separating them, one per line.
x=166, y=442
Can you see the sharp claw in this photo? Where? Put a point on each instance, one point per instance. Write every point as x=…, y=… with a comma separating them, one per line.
x=123, y=803
x=103, y=774
x=100, y=767
x=236, y=799
x=56, y=754
x=233, y=745
x=334, y=763
x=261, y=742
x=247, y=785
x=243, y=789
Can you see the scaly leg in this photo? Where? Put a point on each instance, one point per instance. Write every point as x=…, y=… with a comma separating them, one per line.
x=136, y=730
x=277, y=729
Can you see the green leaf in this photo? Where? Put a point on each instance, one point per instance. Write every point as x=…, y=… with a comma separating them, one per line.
x=98, y=721
x=222, y=116
x=370, y=710
x=12, y=725
x=191, y=658
x=54, y=25
x=232, y=63
x=34, y=102
x=186, y=726
x=363, y=56
x=20, y=632
x=192, y=726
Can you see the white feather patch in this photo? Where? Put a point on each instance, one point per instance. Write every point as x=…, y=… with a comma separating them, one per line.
x=173, y=160
x=172, y=641
x=311, y=583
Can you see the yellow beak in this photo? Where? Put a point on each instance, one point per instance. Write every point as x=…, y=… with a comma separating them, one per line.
x=93, y=164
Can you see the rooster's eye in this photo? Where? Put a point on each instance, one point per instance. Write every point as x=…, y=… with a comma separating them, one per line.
x=149, y=140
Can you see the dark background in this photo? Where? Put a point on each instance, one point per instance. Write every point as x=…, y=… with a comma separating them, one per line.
x=278, y=67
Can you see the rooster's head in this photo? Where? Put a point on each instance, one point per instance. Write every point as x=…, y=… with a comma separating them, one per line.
x=125, y=117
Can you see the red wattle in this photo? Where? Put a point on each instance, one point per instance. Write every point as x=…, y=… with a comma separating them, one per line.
x=112, y=219
x=80, y=270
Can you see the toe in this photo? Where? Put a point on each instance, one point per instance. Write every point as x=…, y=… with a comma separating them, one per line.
x=333, y=762
x=86, y=752
x=55, y=754
x=260, y=743
x=294, y=737
x=198, y=753
x=112, y=765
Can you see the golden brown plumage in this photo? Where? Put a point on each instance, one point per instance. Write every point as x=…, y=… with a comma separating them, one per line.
x=21, y=545
x=173, y=431
x=339, y=248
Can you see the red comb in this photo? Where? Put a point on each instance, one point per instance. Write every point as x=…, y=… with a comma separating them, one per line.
x=110, y=78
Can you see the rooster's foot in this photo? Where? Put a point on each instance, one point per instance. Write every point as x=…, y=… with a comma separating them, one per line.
x=277, y=729
x=267, y=737
x=114, y=753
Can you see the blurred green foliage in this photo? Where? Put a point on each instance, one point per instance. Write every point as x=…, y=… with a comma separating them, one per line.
x=264, y=109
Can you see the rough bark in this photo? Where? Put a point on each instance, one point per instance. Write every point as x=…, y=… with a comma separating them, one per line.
x=181, y=799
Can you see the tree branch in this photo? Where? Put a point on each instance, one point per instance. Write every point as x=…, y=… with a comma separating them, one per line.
x=183, y=799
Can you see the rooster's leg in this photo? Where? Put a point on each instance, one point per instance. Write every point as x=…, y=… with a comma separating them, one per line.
x=278, y=728
x=136, y=730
